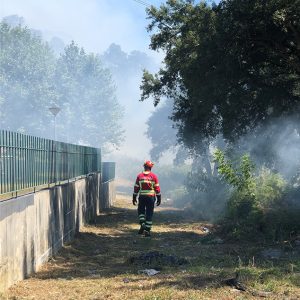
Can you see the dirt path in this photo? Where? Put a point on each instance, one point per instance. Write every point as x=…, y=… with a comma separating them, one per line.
x=98, y=264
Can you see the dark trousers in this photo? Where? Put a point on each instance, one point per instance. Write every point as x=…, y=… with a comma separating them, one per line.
x=145, y=211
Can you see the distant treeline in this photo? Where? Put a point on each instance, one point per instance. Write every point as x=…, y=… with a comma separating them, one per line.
x=33, y=78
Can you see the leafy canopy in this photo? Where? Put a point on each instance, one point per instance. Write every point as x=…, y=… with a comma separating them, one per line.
x=228, y=67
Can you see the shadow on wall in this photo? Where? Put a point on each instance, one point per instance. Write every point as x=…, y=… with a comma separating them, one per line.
x=35, y=226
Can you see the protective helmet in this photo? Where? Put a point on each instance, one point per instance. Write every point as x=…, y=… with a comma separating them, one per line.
x=148, y=163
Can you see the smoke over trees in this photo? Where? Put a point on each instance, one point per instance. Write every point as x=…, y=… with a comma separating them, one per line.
x=82, y=82
x=229, y=67
x=232, y=71
x=32, y=79
x=26, y=69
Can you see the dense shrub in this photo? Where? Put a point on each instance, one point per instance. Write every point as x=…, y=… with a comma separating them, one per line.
x=260, y=202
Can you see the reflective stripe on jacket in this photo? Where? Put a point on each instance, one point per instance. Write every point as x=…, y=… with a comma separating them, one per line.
x=146, y=184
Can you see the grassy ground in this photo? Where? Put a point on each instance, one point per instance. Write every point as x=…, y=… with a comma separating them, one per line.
x=97, y=264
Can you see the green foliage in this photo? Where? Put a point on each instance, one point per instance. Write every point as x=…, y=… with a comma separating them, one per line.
x=228, y=67
x=242, y=203
x=82, y=82
x=240, y=177
x=32, y=79
x=270, y=188
x=26, y=68
x=257, y=203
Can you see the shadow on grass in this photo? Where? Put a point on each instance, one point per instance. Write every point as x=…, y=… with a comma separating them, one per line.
x=162, y=216
x=104, y=255
x=104, y=251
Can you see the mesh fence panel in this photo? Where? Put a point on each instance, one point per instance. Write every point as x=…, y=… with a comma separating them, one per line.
x=28, y=161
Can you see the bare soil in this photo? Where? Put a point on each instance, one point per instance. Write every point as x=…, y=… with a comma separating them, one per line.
x=97, y=265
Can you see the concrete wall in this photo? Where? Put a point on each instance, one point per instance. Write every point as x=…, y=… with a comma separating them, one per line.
x=35, y=226
x=108, y=194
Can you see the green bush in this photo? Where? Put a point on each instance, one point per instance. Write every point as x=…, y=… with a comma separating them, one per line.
x=258, y=203
x=270, y=188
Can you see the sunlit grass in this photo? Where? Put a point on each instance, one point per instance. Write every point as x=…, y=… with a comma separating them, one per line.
x=96, y=265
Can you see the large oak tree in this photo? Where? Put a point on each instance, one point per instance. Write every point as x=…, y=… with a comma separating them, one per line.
x=228, y=67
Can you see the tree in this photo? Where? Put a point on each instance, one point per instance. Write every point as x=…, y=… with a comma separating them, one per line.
x=127, y=70
x=125, y=65
x=57, y=45
x=32, y=79
x=229, y=68
x=26, y=69
x=162, y=134
x=87, y=95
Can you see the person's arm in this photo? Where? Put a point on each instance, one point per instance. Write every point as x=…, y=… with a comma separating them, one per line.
x=136, y=190
x=157, y=191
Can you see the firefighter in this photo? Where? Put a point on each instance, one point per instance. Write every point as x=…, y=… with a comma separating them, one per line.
x=147, y=187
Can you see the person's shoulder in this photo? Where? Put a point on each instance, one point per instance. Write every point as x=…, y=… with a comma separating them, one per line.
x=153, y=174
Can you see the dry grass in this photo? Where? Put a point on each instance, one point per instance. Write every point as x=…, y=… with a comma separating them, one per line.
x=96, y=266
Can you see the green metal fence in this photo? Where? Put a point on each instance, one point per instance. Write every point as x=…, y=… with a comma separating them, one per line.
x=28, y=161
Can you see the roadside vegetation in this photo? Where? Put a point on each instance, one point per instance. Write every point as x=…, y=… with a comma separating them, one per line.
x=259, y=203
x=231, y=81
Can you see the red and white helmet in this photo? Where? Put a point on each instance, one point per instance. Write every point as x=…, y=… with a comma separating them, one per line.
x=148, y=163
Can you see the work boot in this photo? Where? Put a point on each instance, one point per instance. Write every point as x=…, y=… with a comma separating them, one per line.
x=147, y=233
x=141, y=231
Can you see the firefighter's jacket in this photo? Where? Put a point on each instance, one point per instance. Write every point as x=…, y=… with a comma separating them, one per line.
x=146, y=184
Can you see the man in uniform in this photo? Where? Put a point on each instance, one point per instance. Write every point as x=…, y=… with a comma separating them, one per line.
x=147, y=186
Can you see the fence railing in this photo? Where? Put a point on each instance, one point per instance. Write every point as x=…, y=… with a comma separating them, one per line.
x=28, y=161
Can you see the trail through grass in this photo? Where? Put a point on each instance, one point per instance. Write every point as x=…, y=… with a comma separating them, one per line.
x=97, y=264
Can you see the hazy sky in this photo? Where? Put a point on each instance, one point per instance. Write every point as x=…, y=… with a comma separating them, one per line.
x=94, y=24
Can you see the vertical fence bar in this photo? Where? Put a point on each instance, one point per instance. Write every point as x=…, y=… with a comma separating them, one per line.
x=26, y=173
x=30, y=162
x=23, y=160
x=11, y=162
x=1, y=161
x=14, y=161
x=5, y=163
x=8, y=162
